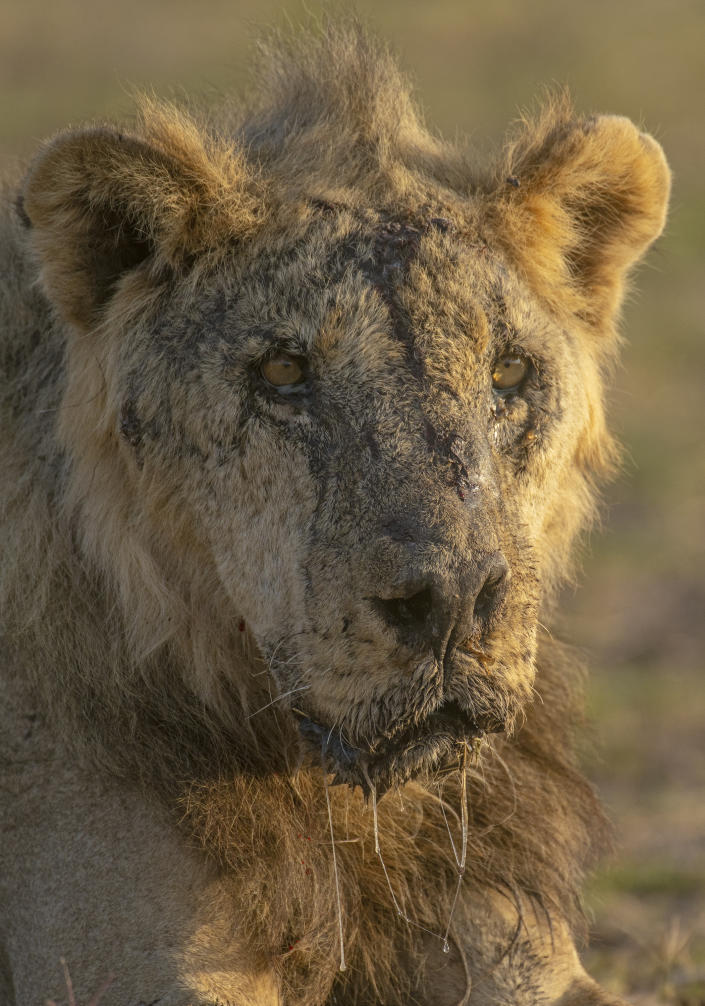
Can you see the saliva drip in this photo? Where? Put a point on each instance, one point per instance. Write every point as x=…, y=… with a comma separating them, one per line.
x=335, y=865
x=459, y=859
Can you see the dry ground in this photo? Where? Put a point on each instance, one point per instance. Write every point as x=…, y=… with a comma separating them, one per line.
x=641, y=611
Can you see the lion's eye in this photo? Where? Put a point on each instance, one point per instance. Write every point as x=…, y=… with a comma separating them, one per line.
x=510, y=370
x=282, y=370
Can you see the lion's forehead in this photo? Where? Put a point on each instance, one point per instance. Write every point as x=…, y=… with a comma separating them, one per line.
x=367, y=297
x=429, y=299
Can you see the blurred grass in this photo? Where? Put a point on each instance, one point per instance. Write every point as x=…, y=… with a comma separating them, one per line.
x=641, y=611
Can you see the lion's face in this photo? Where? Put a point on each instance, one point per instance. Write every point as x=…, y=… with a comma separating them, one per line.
x=368, y=435
x=378, y=423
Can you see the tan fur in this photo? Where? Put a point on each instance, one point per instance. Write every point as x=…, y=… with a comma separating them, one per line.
x=192, y=562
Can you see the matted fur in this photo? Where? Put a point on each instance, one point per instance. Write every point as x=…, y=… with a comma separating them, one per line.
x=119, y=610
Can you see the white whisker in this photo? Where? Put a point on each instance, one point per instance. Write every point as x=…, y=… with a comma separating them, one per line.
x=278, y=698
x=515, y=799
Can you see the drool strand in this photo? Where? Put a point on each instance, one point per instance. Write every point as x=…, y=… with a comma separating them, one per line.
x=335, y=863
x=463, y=841
x=459, y=860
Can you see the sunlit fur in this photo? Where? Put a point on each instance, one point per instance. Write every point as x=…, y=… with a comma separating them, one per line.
x=117, y=610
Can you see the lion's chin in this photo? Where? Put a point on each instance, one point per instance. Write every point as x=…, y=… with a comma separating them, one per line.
x=432, y=746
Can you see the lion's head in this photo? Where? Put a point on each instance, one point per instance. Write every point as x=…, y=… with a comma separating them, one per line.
x=333, y=393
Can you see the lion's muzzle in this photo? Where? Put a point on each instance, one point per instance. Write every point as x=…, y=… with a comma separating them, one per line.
x=431, y=611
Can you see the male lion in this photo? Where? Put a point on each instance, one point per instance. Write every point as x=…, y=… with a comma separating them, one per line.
x=302, y=413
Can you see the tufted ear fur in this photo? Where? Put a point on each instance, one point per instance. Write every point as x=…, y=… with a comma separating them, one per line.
x=576, y=202
x=99, y=202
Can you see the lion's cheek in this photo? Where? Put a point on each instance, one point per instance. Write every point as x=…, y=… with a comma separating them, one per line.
x=258, y=535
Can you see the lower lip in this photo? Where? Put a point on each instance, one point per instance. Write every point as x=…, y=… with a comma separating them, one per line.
x=383, y=769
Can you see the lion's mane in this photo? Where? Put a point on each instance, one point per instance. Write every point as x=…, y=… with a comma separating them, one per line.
x=138, y=662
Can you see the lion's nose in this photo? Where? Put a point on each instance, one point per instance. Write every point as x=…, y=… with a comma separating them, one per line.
x=425, y=611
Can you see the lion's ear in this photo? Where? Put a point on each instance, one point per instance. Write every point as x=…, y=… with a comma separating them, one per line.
x=576, y=203
x=99, y=202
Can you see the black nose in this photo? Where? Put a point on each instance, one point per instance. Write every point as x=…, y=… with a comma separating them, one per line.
x=425, y=611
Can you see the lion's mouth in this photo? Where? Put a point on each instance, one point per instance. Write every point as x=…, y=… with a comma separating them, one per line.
x=432, y=745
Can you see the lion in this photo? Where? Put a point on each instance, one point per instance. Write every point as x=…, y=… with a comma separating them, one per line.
x=302, y=416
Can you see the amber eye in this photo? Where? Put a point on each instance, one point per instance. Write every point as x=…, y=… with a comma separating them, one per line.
x=510, y=370
x=282, y=370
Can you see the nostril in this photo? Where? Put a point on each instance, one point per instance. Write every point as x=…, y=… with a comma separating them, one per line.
x=492, y=591
x=485, y=600
x=406, y=612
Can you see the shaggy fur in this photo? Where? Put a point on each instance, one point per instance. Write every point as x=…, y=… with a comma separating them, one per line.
x=202, y=573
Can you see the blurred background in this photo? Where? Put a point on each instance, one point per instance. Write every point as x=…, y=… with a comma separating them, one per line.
x=640, y=612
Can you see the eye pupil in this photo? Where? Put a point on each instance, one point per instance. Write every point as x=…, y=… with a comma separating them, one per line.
x=282, y=370
x=510, y=370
